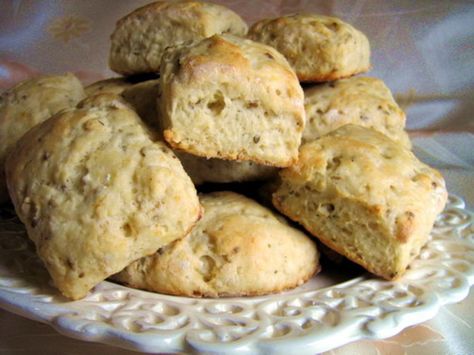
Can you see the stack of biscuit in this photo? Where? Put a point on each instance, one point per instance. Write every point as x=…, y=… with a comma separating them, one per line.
x=116, y=184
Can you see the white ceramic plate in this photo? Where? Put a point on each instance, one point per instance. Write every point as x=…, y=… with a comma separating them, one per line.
x=330, y=310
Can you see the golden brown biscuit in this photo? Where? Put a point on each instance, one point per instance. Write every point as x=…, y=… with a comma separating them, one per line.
x=232, y=98
x=364, y=196
x=238, y=248
x=319, y=48
x=29, y=103
x=359, y=100
x=140, y=38
x=108, y=86
x=96, y=191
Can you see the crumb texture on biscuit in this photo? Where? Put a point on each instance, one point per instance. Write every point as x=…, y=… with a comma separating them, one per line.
x=363, y=101
x=30, y=103
x=365, y=196
x=141, y=37
x=319, y=48
x=144, y=98
x=232, y=98
x=96, y=191
x=238, y=248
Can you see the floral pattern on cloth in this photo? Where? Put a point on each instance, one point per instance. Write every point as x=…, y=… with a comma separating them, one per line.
x=68, y=27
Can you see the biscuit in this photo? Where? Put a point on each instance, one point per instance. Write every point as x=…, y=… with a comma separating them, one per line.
x=144, y=98
x=238, y=248
x=362, y=101
x=96, y=191
x=202, y=170
x=319, y=48
x=29, y=103
x=231, y=98
x=140, y=38
x=364, y=196
x=108, y=86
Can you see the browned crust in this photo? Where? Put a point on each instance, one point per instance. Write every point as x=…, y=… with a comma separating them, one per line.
x=405, y=226
x=336, y=248
x=319, y=78
x=158, y=6
x=169, y=138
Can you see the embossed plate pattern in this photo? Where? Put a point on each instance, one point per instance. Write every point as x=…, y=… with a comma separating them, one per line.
x=322, y=314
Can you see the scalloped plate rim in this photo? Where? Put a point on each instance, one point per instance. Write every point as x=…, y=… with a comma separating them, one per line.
x=59, y=316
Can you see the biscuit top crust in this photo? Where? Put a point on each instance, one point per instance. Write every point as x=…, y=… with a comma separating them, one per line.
x=141, y=37
x=362, y=164
x=364, y=101
x=33, y=101
x=30, y=103
x=96, y=190
x=228, y=54
x=319, y=48
x=245, y=65
x=206, y=13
